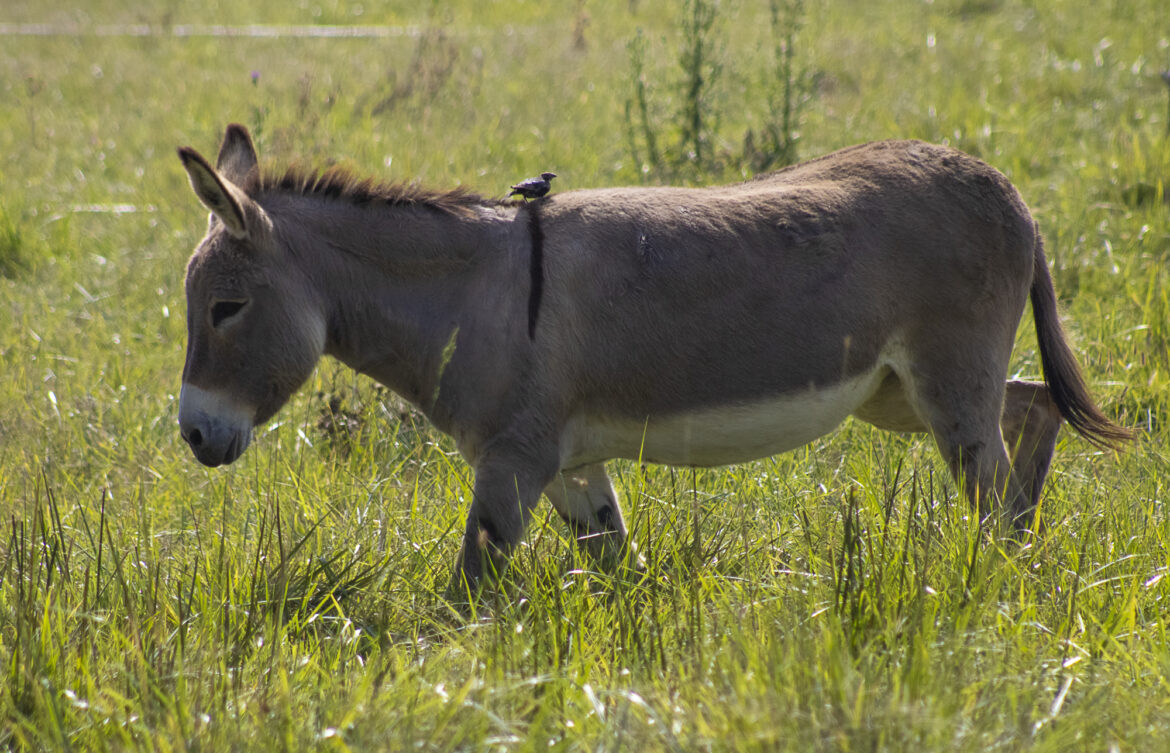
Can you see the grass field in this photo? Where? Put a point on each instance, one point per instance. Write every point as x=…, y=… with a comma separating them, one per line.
x=837, y=598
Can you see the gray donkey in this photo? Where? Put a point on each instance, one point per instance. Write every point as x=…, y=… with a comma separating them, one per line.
x=684, y=326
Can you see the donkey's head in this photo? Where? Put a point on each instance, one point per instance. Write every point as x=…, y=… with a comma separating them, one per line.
x=255, y=326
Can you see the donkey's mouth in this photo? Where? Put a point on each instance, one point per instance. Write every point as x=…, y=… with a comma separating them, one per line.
x=217, y=454
x=235, y=448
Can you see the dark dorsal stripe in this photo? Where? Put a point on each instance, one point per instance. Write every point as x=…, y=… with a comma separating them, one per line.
x=535, y=265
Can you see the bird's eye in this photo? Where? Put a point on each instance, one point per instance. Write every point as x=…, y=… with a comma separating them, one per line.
x=221, y=311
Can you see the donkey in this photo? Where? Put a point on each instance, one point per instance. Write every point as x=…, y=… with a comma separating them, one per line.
x=696, y=327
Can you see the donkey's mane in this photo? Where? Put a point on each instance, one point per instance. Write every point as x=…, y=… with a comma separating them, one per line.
x=342, y=184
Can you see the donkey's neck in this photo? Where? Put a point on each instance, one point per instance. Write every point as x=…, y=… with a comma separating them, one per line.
x=401, y=283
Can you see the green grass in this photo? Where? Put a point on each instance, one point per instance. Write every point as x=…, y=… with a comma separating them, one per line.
x=835, y=598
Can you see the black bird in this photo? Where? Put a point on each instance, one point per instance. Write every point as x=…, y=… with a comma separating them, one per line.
x=533, y=188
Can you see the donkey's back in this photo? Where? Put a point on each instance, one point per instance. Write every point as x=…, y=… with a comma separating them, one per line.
x=830, y=274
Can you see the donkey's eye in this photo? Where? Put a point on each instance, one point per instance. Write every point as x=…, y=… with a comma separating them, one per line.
x=224, y=310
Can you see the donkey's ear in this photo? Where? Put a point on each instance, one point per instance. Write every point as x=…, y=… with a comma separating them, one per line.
x=237, y=155
x=225, y=200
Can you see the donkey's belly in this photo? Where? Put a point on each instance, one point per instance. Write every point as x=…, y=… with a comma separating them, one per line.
x=718, y=436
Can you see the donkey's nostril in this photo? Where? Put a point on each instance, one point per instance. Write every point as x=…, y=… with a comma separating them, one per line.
x=195, y=438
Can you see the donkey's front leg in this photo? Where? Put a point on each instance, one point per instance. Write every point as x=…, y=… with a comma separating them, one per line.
x=508, y=483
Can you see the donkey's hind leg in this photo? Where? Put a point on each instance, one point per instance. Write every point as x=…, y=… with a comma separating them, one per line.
x=1030, y=424
x=963, y=423
x=960, y=398
x=973, y=447
x=585, y=499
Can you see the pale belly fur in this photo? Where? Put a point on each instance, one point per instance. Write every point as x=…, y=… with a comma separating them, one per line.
x=719, y=436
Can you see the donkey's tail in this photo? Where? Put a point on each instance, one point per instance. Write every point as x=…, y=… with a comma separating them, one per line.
x=1063, y=376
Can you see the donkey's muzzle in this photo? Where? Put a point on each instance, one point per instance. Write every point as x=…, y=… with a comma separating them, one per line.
x=217, y=430
x=214, y=453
